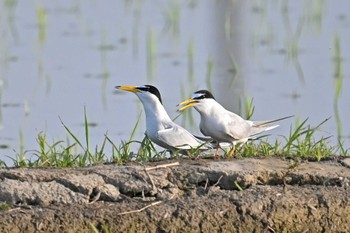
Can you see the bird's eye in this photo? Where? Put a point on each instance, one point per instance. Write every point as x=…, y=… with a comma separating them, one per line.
x=202, y=94
x=198, y=96
x=151, y=89
x=143, y=88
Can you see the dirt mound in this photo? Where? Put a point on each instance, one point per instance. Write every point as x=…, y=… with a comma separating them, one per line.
x=245, y=195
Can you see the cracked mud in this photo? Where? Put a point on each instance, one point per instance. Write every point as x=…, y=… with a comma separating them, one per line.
x=244, y=195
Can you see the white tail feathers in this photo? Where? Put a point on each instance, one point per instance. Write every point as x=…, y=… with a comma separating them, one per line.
x=271, y=127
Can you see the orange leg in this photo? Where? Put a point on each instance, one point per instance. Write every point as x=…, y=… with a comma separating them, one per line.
x=231, y=152
x=217, y=152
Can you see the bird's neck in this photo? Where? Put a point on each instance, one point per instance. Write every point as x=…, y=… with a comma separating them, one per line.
x=155, y=113
x=212, y=108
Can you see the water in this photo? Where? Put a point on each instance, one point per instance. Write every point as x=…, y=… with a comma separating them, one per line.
x=58, y=57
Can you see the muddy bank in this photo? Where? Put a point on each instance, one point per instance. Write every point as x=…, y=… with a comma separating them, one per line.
x=244, y=195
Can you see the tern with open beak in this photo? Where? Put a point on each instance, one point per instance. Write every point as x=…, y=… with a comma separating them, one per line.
x=223, y=125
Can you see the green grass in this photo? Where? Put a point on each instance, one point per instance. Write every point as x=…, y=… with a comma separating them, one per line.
x=41, y=15
x=105, y=47
x=314, y=14
x=79, y=153
x=2, y=164
x=20, y=160
x=151, y=53
x=123, y=153
x=233, y=69
x=302, y=142
x=292, y=41
x=187, y=118
x=99, y=228
x=246, y=107
x=4, y=206
x=172, y=18
x=338, y=81
x=249, y=108
x=190, y=57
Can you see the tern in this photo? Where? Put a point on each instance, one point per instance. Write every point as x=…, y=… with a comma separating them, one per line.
x=160, y=129
x=223, y=125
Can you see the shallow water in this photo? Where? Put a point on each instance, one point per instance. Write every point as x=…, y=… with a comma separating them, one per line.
x=58, y=57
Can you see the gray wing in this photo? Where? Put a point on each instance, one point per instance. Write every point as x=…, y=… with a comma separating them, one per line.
x=178, y=137
x=236, y=127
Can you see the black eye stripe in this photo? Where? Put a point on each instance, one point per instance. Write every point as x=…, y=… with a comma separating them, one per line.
x=199, y=97
x=151, y=89
x=203, y=94
x=143, y=88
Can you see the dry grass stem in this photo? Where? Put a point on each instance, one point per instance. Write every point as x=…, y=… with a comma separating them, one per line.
x=154, y=188
x=218, y=181
x=142, y=209
x=162, y=166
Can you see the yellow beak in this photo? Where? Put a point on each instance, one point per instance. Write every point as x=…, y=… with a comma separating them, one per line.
x=128, y=88
x=187, y=104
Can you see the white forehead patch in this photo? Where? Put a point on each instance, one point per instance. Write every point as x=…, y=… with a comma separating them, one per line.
x=197, y=95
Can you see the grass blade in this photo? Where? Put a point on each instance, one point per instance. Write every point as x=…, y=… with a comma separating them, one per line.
x=72, y=135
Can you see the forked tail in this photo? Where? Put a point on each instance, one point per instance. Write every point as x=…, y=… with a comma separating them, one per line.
x=261, y=126
x=266, y=123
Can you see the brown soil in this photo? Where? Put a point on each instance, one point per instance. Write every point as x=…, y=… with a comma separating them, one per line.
x=244, y=195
